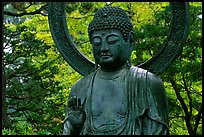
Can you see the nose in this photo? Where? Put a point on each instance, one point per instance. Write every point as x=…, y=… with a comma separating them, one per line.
x=104, y=46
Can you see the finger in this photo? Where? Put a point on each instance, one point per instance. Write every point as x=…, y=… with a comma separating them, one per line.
x=71, y=103
x=74, y=102
x=79, y=103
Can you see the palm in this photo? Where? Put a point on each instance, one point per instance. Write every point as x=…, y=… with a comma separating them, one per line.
x=77, y=115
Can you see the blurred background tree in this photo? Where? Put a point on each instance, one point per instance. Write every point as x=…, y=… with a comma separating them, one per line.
x=36, y=80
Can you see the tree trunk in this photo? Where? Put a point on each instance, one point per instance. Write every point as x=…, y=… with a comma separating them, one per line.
x=6, y=122
x=183, y=105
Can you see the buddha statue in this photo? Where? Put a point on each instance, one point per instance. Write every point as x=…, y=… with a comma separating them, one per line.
x=117, y=98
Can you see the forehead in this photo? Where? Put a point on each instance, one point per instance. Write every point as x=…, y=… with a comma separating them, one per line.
x=106, y=32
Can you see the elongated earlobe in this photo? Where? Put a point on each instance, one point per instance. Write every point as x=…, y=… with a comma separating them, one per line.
x=131, y=42
x=131, y=46
x=131, y=38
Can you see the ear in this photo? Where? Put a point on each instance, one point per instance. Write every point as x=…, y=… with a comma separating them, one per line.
x=131, y=40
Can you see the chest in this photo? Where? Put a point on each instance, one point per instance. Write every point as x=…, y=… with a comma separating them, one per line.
x=109, y=97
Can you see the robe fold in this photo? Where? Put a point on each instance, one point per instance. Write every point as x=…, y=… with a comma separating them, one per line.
x=147, y=105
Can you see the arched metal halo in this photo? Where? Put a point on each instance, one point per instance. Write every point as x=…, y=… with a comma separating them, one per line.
x=170, y=50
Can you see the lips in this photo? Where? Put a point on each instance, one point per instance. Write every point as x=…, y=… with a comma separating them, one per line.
x=105, y=54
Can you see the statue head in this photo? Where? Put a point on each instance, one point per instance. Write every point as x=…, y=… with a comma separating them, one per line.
x=111, y=36
x=111, y=17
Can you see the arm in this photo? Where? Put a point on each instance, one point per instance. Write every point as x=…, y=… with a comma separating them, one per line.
x=155, y=120
x=68, y=128
x=152, y=127
x=74, y=122
x=75, y=115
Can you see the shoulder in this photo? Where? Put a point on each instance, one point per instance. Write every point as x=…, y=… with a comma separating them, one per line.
x=81, y=85
x=143, y=72
x=84, y=80
x=152, y=79
x=157, y=88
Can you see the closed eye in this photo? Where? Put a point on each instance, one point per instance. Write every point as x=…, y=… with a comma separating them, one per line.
x=96, y=41
x=112, y=39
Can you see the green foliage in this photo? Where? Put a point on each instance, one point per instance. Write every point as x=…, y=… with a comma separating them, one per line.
x=39, y=80
x=31, y=69
x=8, y=132
x=23, y=127
x=187, y=71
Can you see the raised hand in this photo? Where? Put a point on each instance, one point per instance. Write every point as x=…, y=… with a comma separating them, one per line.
x=76, y=114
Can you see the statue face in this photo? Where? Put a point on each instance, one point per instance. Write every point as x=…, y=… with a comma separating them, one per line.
x=110, y=49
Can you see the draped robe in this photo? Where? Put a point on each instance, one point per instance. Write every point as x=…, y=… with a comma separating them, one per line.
x=146, y=101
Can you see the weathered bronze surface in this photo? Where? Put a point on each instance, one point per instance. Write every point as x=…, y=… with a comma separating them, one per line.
x=170, y=50
x=116, y=98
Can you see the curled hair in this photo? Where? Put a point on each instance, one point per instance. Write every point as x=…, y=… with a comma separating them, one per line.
x=111, y=17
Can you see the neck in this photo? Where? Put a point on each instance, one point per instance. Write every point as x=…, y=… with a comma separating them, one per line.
x=107, y=69
x=104, y=74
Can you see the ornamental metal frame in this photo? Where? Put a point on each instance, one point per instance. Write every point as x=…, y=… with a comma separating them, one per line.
x=169, y=51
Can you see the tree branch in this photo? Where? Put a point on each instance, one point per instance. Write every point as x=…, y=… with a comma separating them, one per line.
x=81, y=43
x=181, y=100
x=198, y=117
x=25, y=13
x=10, y=35
x=28, y=5
x=188, y=94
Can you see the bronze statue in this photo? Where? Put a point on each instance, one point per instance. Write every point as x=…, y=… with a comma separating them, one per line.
x=117, y=98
